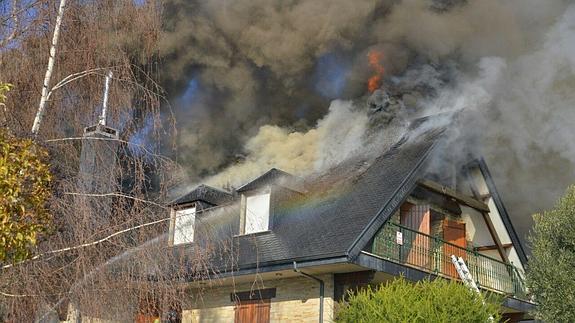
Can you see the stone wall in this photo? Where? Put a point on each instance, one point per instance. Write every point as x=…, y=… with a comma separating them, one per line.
x=297, y=300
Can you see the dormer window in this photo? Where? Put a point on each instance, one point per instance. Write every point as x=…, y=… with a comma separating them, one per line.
x=257, y=213
x=183, y=230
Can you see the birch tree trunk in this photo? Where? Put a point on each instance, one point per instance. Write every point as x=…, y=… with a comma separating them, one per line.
x=48, y=76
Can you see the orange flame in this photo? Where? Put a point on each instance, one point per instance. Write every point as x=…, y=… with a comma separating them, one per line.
x=374, y=61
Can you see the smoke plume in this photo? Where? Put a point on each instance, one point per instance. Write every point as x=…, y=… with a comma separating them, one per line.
x=253, y=82
x=335, y=138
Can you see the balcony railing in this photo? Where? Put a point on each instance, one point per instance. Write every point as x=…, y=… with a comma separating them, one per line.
x=406, y=246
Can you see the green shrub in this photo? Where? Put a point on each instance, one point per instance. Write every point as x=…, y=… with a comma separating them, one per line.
x=425, y=301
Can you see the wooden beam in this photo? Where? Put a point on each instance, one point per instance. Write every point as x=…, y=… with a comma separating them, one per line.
x=258, y=294
x=461, y=198
x=492, y=247
x=443, y=201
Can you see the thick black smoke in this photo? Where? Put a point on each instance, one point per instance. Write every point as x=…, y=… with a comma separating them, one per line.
x=248, y=75
x=252, y=63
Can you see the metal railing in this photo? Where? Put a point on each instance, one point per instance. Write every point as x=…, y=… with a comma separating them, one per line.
x=406, y=246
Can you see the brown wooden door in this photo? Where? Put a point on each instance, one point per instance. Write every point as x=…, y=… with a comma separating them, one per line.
x=454, y=233
x=253, y=311
x=416, y=247
x=146, y=318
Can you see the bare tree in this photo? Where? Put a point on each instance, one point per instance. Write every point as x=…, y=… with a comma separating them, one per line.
x=12, y=21
x=105, y=219
x=12, y=26
x=107, y=255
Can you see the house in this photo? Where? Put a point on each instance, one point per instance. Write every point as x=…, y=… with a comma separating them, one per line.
x=289, y=248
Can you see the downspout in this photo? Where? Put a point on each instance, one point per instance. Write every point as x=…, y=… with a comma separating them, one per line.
x=321, y=289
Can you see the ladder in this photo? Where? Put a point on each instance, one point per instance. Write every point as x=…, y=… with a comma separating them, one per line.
x=464, y=273
x=466, y=277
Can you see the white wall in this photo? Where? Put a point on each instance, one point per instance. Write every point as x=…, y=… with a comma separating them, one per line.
x=476, y=228
x=297, y=300
x=495, y=216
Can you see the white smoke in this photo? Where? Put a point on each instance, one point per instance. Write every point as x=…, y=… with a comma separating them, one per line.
x=335, y=138
x=520, y=110
x=530, y=129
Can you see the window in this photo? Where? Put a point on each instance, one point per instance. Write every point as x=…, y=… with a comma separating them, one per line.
x=184, y=225
x=257, y=214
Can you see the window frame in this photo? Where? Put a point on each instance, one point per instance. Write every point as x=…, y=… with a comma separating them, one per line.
x=173, y=213
x=244, y=215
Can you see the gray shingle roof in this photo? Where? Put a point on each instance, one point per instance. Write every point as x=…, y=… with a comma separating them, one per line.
x=277, y=177
x=337, y=215
x=207, y=194
x=331, y=219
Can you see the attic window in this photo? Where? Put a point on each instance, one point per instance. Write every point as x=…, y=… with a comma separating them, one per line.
x=184, y=225
x=257, y=213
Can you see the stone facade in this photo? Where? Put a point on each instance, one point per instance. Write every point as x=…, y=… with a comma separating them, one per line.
x=297, y=300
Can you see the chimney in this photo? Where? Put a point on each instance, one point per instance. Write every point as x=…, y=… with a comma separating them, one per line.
x=98, y=163
x=98, y=159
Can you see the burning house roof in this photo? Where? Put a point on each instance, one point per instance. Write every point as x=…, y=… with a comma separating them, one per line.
x=328, y=220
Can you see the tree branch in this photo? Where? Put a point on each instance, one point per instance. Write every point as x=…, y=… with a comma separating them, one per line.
x=48, y=76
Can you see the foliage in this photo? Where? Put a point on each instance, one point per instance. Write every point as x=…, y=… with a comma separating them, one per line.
x=552, y=265
x=4, y=87
x=424, y=301
x=24, y=190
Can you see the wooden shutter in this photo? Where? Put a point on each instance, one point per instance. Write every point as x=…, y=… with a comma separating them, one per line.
x=252, y=311
x=263, y=311
x=454, y=233
x=416, y=248
x=415, y=217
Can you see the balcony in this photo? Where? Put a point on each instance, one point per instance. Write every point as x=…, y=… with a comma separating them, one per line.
x=432, y=254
